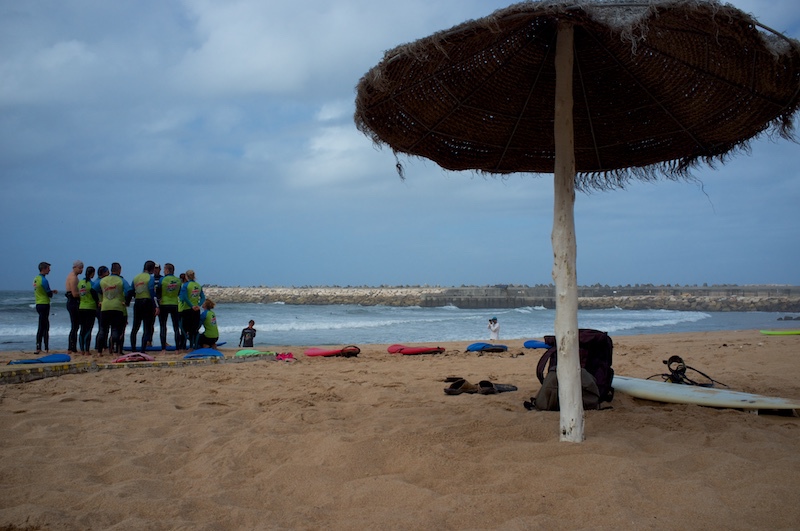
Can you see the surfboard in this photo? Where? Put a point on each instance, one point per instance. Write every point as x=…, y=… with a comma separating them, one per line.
x=701, y=396
x=50, y=358
x=402, y=349
x=347, y=352
x=780, y=332
x=486, y=347
x=534, y=343
x=203, y=353
x=252, y=352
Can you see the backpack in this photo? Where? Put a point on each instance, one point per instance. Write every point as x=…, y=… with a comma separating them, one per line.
x=547, y=397
x=596, y=350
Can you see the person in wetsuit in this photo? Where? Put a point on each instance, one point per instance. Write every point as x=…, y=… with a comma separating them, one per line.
x=87, y=310
x=170, y=290
x=117, y=294
x=145, y=305
x=100, y=339
x=248, y=334
x=208, y=318
x=42, y=295
x=181, y=343
x=157, y=288
x=192, y=297
x=73, y=305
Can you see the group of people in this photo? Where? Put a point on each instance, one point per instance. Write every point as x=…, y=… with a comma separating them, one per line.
x=179, y=299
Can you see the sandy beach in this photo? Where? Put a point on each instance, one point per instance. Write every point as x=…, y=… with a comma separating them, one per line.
x=373, y=442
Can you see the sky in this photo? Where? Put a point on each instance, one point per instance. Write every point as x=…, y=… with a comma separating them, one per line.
x=218, y=135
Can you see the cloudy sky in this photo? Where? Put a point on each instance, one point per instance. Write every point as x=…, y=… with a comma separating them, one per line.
x=218, y=135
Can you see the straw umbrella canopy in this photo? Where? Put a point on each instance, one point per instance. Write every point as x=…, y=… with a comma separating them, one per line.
x=598, y=94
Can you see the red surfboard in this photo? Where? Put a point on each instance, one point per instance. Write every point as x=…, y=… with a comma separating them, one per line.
x=347, y=352
x=402, y=349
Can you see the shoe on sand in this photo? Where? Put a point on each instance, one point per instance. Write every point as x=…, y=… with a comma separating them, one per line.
x=485, y=387
x=461, y=386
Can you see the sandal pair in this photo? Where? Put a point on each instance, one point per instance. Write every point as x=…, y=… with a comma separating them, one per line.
x=484, y=387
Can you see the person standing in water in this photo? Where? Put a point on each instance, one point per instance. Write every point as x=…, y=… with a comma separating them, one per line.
x=248, y=334
x=494, y=329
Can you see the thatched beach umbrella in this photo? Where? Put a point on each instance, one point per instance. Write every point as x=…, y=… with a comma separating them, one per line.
x=597, y=93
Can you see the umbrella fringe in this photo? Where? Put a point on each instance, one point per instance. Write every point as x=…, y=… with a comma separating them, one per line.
x=618, y=179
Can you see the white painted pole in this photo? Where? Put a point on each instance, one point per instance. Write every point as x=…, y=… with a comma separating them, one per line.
x=564, y=246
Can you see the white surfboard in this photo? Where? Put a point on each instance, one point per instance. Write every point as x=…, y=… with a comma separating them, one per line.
x=702, y=396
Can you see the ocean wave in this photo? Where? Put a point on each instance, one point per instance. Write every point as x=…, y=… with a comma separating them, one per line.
x=530, y=309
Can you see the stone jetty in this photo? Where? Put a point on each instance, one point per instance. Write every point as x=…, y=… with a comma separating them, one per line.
x=705, y=298
x=366, y=296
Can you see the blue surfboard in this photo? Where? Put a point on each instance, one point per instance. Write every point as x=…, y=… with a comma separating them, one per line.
x=52, y=358
x=534, y=343
x=486, y=347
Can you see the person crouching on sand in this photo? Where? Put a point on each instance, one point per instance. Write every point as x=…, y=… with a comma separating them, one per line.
x=208, y=319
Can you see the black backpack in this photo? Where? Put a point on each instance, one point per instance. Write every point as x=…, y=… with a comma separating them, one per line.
x=596, y=352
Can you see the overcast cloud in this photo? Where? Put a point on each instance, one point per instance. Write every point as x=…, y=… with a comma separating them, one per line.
x=218, y=135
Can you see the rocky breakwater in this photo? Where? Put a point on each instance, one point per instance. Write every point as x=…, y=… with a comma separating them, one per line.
x=722, y=299
x=392, y=296
x=693, y=303
x=707, y=299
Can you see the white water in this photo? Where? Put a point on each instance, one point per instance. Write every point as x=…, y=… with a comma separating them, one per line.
x=284, y=324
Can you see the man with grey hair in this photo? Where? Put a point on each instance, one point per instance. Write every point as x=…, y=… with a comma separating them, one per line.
x=73, y=305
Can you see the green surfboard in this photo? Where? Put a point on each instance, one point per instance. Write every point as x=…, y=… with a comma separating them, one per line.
x=250, y=352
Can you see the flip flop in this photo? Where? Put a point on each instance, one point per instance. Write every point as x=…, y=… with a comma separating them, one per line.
x=461, y=386
x=485, y=387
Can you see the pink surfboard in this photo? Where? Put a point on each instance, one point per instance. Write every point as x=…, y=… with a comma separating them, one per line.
x=347, y=352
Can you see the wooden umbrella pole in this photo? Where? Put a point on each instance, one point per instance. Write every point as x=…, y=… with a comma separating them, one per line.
x=564, y=245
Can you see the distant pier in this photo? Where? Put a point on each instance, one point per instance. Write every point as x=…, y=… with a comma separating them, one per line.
x=771, y=298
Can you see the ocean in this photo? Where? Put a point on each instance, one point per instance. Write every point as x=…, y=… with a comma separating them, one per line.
x=284, y=324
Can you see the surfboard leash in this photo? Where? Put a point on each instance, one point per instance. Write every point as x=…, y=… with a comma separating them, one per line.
x=677, y=374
